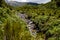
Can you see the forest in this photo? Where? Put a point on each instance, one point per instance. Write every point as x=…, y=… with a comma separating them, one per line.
x=44, y=17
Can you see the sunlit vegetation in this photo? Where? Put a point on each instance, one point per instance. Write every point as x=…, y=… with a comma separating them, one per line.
x=45, y=16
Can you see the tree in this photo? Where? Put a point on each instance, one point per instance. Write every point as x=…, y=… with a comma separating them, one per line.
x=57, y=2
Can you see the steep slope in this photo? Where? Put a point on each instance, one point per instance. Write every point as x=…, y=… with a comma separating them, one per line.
x=46, y=17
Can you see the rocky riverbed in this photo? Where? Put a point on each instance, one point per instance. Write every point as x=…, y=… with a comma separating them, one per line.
x=30, y=25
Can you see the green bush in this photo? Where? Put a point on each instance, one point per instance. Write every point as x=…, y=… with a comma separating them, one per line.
x=11, y=26
x=44, y=16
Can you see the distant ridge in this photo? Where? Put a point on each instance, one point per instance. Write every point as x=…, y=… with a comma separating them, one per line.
x=15, y=3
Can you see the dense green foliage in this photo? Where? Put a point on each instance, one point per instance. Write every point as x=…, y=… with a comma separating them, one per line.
x=11, y=26
x=45, y=16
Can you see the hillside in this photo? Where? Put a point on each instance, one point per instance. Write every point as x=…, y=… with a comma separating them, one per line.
x=41, y=22
x=15, y=3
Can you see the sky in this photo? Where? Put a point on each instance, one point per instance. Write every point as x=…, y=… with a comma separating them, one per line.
x=36, y=1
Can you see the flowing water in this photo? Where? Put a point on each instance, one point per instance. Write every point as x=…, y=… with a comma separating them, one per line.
x=30, y=25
